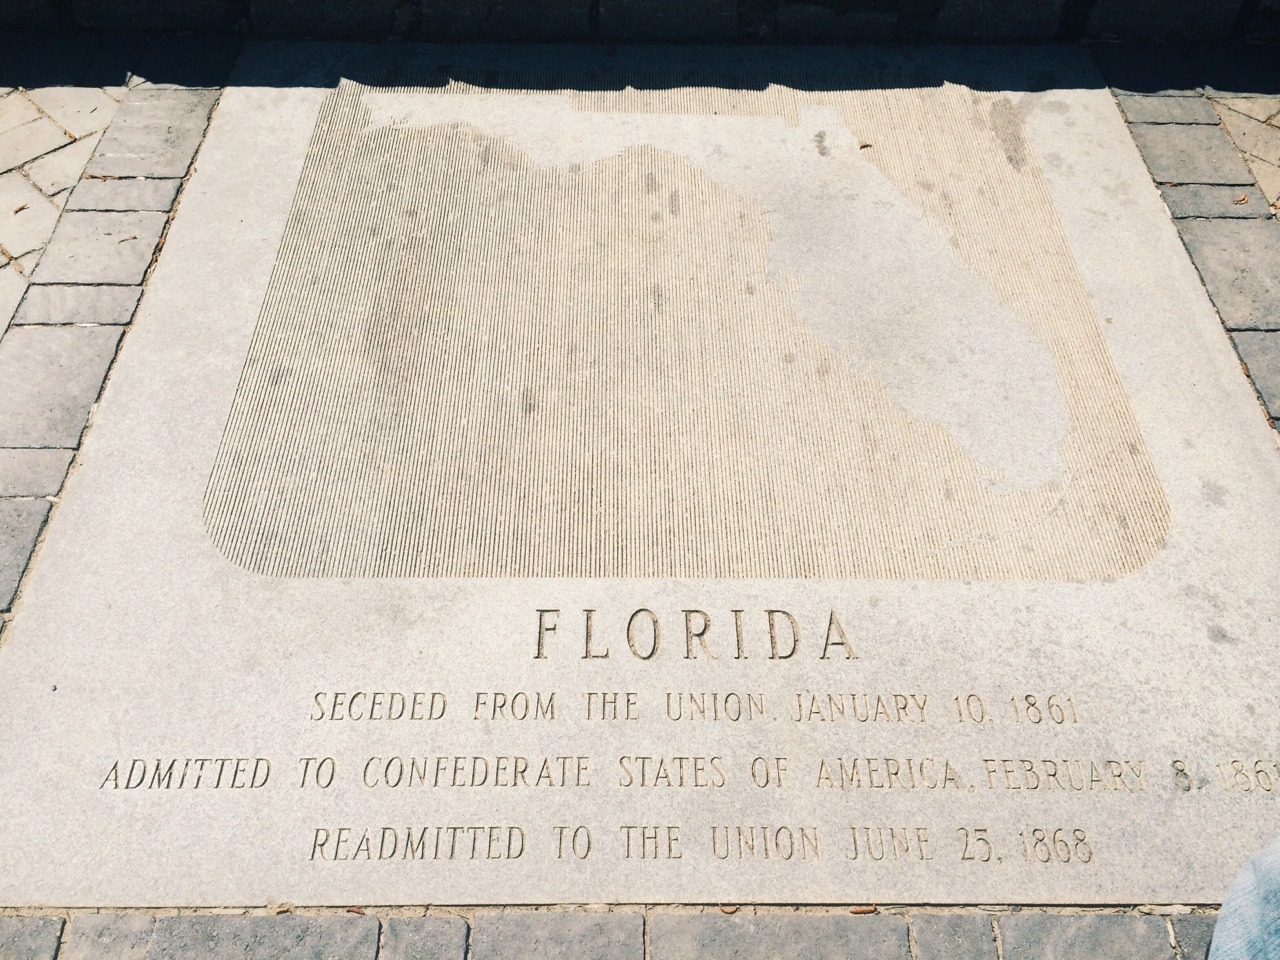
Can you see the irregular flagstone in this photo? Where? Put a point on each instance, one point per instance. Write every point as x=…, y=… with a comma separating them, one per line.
x=1268, y=176
x=16, y=110
x=78, y=110
x=60, y=170
x=1261, y=109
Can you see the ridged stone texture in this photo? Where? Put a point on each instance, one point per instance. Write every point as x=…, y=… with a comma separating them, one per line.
x=483, y=357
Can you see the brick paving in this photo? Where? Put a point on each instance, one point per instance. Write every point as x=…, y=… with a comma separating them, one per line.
x=1209, y=131
x=89, y=177
x=621, y=933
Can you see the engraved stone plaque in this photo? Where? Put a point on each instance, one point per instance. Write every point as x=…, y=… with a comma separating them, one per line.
x=650, y=484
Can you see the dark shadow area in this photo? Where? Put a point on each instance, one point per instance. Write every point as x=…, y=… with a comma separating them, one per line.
x=212, y=60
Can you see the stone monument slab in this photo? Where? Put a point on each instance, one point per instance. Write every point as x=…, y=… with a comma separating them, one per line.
x=518, y=489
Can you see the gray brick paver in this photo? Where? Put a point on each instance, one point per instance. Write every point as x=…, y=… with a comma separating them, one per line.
x=765, y=937
x=20, y=523
x=292, y=937
x=1260, y=352
x=1194, y=934
x=32, y=472
x=1214, y=200
x=553, y=935
x=25, y=938
x=1157, y=109
x=100, y=247
x=1047, y=936
x=424, y=938
x=1182, y=153
x=77, y=303
x=1239, y=261
x=124, y=194
x=49, y=379
x=155, y=133
x=108, y=936
x=953, y=936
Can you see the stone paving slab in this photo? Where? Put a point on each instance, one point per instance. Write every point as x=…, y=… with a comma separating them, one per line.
x=1213, y=201
x=1240, y=263
x=49, y=378
x=953, y=936
x=427, y=938
x=124, y=194
x=99, y=247
x=29, y=216
x=1260, y=352
x=1200, y=154
x=555, y=935
x=1100, y=937
x=109, y=936
x=1156, y=109
x=264, y=938
x=32, y=471
x=155, y=133
x=20, y=524
x=746, y=937
x=77, y=303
